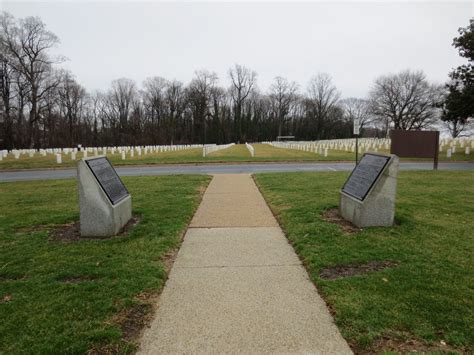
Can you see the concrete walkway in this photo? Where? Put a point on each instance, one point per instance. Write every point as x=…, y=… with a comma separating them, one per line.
x=237, y=286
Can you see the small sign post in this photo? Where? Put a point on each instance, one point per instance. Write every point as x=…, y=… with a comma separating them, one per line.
x=356, y=134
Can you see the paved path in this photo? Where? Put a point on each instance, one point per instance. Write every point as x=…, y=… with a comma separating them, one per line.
x=217, y=169
x=237, y=286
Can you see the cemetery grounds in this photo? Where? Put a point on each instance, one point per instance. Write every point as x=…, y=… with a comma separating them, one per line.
x=235, y=154
x=404, y=288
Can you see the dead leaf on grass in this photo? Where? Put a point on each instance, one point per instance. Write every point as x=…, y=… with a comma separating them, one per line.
x=6, y=298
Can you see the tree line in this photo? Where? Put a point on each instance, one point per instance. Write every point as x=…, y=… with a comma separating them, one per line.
x=42, y=105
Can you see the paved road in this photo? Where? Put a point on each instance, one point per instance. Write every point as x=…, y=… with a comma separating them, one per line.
x=216, y=169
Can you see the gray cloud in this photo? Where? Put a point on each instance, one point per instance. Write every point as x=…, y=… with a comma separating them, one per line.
x=354, y=42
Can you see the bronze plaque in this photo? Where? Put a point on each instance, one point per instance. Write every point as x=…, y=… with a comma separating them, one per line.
x=364, y=175
x=108, y=179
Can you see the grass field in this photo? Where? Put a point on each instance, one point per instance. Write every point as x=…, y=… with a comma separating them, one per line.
x=69, y=297
x=428, y=298
x=235, y=154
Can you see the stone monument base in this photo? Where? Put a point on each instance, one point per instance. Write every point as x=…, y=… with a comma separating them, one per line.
x=378, y=208
x=98, y=216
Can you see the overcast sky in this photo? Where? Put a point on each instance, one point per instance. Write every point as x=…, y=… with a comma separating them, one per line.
x=353, y=42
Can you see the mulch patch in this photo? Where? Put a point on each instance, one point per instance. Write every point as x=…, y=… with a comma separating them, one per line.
x=389, y=344
x=339, y=271
x=71, y=232
x=332, y=215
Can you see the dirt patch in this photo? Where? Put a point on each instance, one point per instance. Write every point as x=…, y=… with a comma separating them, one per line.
x=38, y=228
x=6, y=298
x=332, y=215
x=201, y=190
x=388, y=344
x=131, y=321
x=339, y=271
x=169, y=258
x=134, y=321
x=110, y=349
x=77, y=279
x=71, y=232
x=6, y=278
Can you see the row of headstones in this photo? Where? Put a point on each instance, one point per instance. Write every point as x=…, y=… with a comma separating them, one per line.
x=369, y=144
x=461, y=142
x=322, y=147
x=251, y=149
x=209, y=148
x=300, y=146
x=451, y=145
x=450, y=151
x=58, y=152
x=364, y=144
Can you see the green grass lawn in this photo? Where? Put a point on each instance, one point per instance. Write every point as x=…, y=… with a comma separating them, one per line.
x=429, y=296
x=41, y=309
x=237, y=153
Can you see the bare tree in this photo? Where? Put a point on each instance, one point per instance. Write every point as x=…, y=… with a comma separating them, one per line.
x=243, y=82
x=20, y=98
x=406, y=100
x=199, y=96
x=6, y=88
x=176, y=103
x=95, y=102
x=357, y=109
x=71, y=98
x=154, y=101
x=26, y=44
x=322, y=101
x=283, y=95
x=121, y=99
